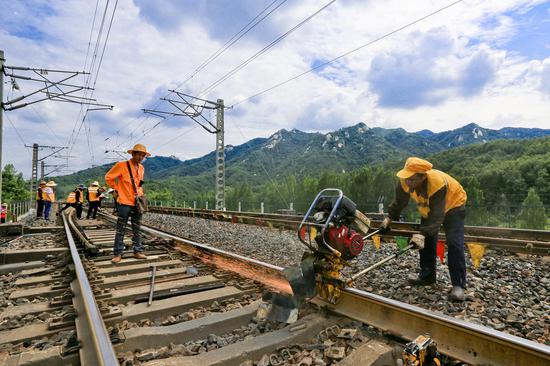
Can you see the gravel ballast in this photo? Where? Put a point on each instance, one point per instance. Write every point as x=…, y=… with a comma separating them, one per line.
x=508, y=292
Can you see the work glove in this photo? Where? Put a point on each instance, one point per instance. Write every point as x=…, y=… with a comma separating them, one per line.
x=385, y=226
x=418, y=241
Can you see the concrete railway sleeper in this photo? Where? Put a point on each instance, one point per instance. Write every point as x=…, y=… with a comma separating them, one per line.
x=204, y=311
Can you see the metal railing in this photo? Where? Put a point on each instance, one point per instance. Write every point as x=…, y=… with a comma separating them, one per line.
x=15, y=211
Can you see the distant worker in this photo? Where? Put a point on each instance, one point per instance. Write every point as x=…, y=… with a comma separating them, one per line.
x=102, y=194
x=49, y=198
x=3, y=212
x=440, y=200
x=40, y=198
x=79, y=200
x=92, y=195
x=70, y=202
x=126, y=178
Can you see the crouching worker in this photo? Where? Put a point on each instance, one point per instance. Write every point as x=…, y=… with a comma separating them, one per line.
x=126, y=178
x=70, y=202
x=440, y=199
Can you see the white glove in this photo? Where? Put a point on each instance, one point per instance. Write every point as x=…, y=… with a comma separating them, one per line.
x=385, y=226
x=418, y=241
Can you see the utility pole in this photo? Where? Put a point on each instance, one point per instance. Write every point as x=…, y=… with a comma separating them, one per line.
x=2, y=59
x=35, y=160
x=186, y=107
x=61, y=90
x=220, y=158
x=34, y=170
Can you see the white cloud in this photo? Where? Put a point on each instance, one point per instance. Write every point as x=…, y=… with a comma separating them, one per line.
x=461, y=51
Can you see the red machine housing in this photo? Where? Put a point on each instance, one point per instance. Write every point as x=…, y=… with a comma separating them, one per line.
x=345, y=240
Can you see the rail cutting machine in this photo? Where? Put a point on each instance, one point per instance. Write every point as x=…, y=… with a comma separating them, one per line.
x=334, y=232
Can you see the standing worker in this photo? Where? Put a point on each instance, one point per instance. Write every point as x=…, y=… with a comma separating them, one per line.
x=440, y=200
x=49, y=198
x=93, y=199
x=126, y=178
x=40, y=198
x=79, y=200
x=3, y=212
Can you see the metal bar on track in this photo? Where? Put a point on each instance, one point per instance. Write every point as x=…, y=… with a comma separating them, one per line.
x=96, y=347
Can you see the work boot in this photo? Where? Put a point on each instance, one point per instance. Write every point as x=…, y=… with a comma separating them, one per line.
x=116, y=259
x=457, y=294
x=140, y=255
x=417, y=281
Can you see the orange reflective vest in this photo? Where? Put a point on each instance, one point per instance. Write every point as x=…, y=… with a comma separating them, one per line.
x=455, y=197
x=71, y=198
x=118, y=178
x=93, y=196
x=40, y=194
x=49, y=194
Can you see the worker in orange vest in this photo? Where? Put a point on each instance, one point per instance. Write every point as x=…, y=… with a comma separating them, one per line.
x=79, y=200
x=40, y=198
x=441, y=201
x=126, y=178
x=49, y=198
x=92, y=195
x=70, y=202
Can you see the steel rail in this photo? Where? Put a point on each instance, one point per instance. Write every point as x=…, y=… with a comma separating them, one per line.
x=96, y=347
x=467, y=342
x=515, y=240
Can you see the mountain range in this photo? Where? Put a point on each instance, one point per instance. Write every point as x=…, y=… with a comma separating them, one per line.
x=309, y=153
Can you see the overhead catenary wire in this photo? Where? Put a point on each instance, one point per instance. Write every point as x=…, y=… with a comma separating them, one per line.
x=346, y=53
x=263, y=50
x=97, y=70
x=234, y=39
x=92, y=62
x=15, y=128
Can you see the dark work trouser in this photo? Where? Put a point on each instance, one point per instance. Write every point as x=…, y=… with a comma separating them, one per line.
x=39, y=208
x=78, y=208
x=454, y=234
x=92, y=209
x=67, y=205
x=125, y=212
x=47, y=208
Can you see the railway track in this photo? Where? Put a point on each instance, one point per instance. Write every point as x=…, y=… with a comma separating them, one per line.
x=513, y=240
x=202, y=311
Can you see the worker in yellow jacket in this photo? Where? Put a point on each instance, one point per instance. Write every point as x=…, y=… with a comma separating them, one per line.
x=441, y=200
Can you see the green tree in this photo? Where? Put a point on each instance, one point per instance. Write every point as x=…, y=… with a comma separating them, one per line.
x=532, y=215
x=14, y=187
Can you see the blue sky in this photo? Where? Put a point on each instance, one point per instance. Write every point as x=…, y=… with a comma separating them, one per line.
x=486, y=61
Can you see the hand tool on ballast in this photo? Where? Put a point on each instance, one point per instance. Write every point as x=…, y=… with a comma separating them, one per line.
x=334, y=231
x=422, y=351
x=152, y=289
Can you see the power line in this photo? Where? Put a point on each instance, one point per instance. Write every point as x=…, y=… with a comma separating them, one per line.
x=232, y=41
x=15, y=128
x=236, y=37
x=347, y=53
x=97, y=70
x=263, y=50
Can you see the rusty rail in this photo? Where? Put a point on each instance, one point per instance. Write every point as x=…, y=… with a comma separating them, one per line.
x=96, y=347
x=514, y=240
x=459, y=339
